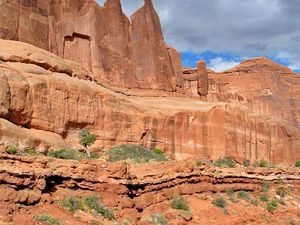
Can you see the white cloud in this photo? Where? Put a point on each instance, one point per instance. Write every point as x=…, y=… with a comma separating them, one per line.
x=219, y=64
x=292, y=60
x=244, y=28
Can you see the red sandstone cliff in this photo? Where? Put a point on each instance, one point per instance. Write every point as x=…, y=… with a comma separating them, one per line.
x=251, y=111
x=102, y=39
x=42, y=93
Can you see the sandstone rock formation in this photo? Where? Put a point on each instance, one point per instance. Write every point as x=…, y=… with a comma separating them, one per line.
x=202, y=79
x=42, y=92
x=102, y=39
x=250, y=111
x=38, y=182
x=262, y=86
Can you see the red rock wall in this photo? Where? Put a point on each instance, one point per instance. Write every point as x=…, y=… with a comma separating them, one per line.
x=262, y=87
x=44, y=97
x=151, y=57
x=102, y=39
x=202, y=79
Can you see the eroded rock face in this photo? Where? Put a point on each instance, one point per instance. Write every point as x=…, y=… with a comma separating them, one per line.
x=102, y=39
x=202, y=79
x=262, y=86
x=136, y=191
x=51, y=98
x=152, y=68
x=119, y=183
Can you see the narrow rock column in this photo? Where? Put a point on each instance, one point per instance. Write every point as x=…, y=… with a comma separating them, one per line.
x=202, y=79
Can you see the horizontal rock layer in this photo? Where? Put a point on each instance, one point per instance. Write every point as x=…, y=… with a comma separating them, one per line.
x=28, y=180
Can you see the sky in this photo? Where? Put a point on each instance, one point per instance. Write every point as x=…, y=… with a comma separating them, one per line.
x=226, y=32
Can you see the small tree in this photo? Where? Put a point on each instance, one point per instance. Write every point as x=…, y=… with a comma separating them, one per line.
x=87, y=139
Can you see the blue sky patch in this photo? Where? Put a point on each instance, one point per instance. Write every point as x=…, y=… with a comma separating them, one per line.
x=220, y=61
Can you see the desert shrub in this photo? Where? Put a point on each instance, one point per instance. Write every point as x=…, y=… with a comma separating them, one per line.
x=281, y=191
x=297, y=163
x=263, y=163
x=95, y=155
x=198, y=163
x=66, y=154
x=86, y=138
x=72, y=204
x=157, y=219
x=246, y=163
x=158, y=151
x=230, y=194
x=265, y=187
x=12, y=150
x=254, y=202
x=228, y=162
x=93, y=203
x=220, y=202
x=180, y=204
x=243, y=195
x=272, y=205
x=31, y=151
x=47, y=219
x=135, y=153
x=264, y=197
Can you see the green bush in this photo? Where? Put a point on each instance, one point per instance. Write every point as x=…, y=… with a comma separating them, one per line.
x=243, y=195
x=66, y=154
x=230, y=194
x=95, y=155
x=220, y=202
x=281, y=191
x=93, y=203
x=246, y=163
x=86, y=138
x=254, y=202
x=47, y=219
x=180, y=204
x=199, y=163
x=263, y=163
x=31, y=151
x=297, y=163
x=12, y=150
x=265, y=187
x=228, y=162
x=158, y=151
x=272, y=205
x=72, y=204
x=135, y=153
x=264, y=197
x=157, y=219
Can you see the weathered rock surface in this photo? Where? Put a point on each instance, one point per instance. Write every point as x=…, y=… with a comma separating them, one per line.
x=262, y=86
x=134, y=189
x=202, y=79
x=102, y=39
x=143, y=184
x=41, y=92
